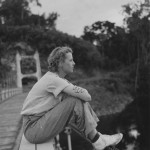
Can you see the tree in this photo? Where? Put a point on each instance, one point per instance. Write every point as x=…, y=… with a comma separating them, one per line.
x=138, y=26
x=18, y=13
x=109, y=40
x=14, y=12
x=126, y=45
x=99, y=31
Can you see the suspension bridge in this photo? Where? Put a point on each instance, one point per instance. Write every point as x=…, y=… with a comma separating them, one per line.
x=12, y=96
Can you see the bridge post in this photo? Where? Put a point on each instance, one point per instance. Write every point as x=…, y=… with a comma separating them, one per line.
x=38, y=67
x=19, y=74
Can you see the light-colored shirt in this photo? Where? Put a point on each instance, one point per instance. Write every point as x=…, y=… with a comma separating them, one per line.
x=45, y=94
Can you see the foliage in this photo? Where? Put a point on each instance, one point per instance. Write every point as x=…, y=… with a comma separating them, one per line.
x=39, y=32
x=109, y=94
x=17, y=13
x=15, y=20
x=142, y=100
x=124, y=45
x=28, y=66
x=138, y=25
x=85, y=54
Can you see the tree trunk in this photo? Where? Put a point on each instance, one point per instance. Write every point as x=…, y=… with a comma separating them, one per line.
x=137, y=68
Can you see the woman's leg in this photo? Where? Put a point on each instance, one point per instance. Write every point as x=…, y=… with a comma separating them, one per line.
x=69, y=111
x=98, y=140
x=88, y=129
x=91, y=119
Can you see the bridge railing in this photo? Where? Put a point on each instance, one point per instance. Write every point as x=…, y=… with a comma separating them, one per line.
x=8, y=86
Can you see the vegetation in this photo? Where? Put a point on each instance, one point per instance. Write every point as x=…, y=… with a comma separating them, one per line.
x=109, y=95
x=119, y=56
x=126, y=50
x=122, y=47
x=40, y=33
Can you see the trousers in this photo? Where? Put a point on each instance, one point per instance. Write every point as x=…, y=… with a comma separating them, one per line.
x=70, y=111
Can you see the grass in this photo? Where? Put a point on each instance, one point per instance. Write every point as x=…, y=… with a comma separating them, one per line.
x=109, y=95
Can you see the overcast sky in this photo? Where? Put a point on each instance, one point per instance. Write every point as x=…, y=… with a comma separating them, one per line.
x=76, y=14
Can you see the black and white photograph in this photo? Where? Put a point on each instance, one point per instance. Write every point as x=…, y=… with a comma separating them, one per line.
x=74, y=74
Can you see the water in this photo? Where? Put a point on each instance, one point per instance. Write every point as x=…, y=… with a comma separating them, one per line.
x=134, y=128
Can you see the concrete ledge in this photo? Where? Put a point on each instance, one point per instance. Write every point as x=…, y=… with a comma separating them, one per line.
x=25, y=145
x=19, y=137
x=22, y=144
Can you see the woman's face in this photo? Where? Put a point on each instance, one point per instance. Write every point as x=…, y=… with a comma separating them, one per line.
x=68, y=65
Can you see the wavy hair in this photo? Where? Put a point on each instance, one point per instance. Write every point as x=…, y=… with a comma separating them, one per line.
x=56, y=56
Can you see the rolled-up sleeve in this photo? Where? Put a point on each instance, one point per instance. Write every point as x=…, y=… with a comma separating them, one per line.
x=57, y=85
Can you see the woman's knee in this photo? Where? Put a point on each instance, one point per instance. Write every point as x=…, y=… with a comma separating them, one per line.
x=71, y=98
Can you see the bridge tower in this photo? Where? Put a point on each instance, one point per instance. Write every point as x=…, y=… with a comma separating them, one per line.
x=20, y=74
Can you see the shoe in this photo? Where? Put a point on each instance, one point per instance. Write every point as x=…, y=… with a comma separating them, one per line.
x=107, y=140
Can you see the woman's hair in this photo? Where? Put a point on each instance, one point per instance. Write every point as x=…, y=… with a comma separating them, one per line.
x=56, y=56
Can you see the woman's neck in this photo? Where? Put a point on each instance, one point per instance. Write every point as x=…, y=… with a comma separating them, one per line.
x=61, y=74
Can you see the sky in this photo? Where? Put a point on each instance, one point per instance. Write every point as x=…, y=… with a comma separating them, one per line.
x=76, y=14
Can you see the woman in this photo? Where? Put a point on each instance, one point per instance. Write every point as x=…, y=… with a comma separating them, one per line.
x=54, y=103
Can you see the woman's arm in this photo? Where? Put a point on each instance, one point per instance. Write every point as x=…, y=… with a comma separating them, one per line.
x=78, y=92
